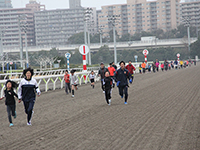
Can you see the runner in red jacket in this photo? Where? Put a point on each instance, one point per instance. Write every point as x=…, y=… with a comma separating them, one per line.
x=130, y=68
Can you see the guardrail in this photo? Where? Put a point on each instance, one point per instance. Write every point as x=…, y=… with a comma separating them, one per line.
x=45, y=81
x=16, y=75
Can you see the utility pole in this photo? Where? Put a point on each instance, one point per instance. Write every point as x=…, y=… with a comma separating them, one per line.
x=20, y=40
x=100, y=33
x=112, y=20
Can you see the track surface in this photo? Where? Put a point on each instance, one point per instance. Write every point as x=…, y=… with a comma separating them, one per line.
x=162, y=114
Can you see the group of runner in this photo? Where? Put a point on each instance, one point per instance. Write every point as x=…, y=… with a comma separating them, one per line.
x=166, y=65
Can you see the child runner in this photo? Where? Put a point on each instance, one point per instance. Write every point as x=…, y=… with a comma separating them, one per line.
x=74, y=81
x=26, y=93
x=108, y=83
x=10, y=100
x=121, y=77
x=92, y=77
x=67, y=82
x=162, y=66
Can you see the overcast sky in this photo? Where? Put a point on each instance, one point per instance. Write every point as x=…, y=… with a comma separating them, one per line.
x=56, y=4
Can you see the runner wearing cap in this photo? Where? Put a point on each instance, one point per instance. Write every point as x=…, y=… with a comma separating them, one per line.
x=121, y=77
x=101, y=74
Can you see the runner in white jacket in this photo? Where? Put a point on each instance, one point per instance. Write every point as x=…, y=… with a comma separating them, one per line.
x=73, y=81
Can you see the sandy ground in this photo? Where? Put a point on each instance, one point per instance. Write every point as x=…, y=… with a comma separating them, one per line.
x=162, y=114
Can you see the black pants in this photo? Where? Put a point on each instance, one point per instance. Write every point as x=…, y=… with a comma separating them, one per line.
x=67, y=86
x=11, y=111
x=107, y=95
x=28, y=106
x=102, y=85
x=123, y=90
x=144, y=69
x=157, y=68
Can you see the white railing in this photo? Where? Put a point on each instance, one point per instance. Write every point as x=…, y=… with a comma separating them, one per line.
x=15, y=75
x=53, y=79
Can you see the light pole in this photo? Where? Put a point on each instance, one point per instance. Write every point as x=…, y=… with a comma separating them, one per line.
x=25, y=28
x=1, y=44
x=112, y=20
x=100, y=33
x=88, y=13
x=187, y=24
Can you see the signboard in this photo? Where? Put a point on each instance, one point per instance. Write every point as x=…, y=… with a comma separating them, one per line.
x=67, y=55
x=178, y=55
x=145, y=52
x=136, y=56
x=84, y=49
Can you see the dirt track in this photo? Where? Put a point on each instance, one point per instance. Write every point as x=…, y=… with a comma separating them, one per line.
x=162, y=114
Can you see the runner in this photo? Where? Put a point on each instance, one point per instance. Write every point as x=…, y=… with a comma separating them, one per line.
x=113, y=64
x=121, y=77
x=26, y=93
x=130, y=68
x=101, y=74
x=10, y=100
x=143, y=65
x=67, y=82
x=162, y=66
x=74, y=81
x=92, y=77
x=111, y=70
x=154, y=67
x=157, y=65
x=108, y=84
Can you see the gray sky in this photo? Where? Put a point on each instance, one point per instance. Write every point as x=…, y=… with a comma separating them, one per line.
x=56, y=4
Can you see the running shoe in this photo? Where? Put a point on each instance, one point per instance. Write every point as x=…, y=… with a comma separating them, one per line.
x=104, y=92
x=29, y=124
x=109, y=100
x=72, y=96
x=15, y=116
x=31, y=116
x=108, y=104
x=11, y=125
x=125, y=103
x=122, y=96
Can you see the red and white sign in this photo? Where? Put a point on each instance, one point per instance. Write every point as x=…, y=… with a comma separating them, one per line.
x=84, y=49
x=145, y=52
x=11, y=63
x=178, y=55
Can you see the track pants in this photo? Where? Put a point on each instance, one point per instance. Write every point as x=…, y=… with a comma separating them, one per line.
x=67, y=86
x=11, y=111
x=123, y=90
x=108, y=95
x=28, y=106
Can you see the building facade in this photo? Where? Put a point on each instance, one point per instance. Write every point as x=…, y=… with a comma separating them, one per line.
x=54, y=27
x=191, y=10
x=5, y=4
x=121, y=22
x=10, y=26
x=142, y=15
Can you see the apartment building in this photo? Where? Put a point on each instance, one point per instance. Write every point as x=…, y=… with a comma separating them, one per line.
x=121, y=22
x=9, y=25
x=54, y=27
x=191, y=10
x=73, y=4
x=35, y=6
x=5, y=4
x=144, y=15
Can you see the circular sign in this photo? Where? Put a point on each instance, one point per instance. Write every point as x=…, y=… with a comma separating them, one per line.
x=67, y=55
x=145, y=52
x=178, y=55
x=84, y=49
x=11, y=63
x=136, y=56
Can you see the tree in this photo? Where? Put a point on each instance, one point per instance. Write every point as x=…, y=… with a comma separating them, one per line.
x=195, y=48
x=77, y=38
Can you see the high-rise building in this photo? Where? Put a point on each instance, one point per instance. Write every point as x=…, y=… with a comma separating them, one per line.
x=35, y=6
x=5, y=4
x=10, y=26
x=54, y=27
x=73, y=4
x=151, y=15
x=121, y=23
x=191, y=11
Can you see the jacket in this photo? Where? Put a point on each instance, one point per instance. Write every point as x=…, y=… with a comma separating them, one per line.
x=26, y=90
x=73, y=79
x=67, y=78
x=9, y=95
x=122, y=76
x=102, y=72
x=111, y=70
x=130, y=68
x=108, y=83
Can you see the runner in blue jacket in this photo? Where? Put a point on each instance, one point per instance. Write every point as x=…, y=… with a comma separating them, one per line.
x=122, y=76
